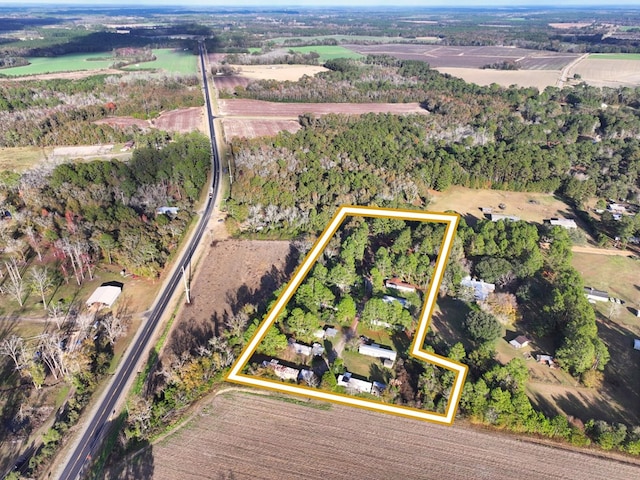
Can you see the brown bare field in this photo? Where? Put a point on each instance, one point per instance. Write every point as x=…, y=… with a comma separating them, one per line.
x=230, y=82
x=258, y=108
x=569, y=25
x=231, y=274
x=182, y=120
x=524, y=78
x=532, y=207
x=470, y=57
x=252, y=128
x=602, y=72
x=280, y=73
x=246, y=436
x=124, y=122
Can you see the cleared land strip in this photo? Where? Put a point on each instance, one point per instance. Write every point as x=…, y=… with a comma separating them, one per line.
x=243, y=436
x=601, y=251
x=245, y=107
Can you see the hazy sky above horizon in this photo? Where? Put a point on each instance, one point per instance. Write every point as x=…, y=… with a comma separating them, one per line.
x=307, y=3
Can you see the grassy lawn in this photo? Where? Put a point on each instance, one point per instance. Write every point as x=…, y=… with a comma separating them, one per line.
x=170, y=60
x=615, y=56
x=358, y=364
x=616, y=274
x=64, y=63
x=328, y=52
x=19, y=159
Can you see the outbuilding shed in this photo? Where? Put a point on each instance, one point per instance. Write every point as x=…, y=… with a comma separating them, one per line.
x=105, y=295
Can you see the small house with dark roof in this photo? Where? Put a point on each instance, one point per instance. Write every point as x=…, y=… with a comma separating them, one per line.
x=520, y=341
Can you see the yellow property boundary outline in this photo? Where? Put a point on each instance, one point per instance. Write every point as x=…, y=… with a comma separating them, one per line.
x=451, y=221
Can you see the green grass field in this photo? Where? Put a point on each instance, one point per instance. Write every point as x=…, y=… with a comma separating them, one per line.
x=19, y=159
x=615, y=56
x=171, y=61
x=65, y=63
x=166, y=59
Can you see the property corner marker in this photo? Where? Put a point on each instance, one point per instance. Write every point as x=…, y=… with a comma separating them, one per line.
x=460, y=370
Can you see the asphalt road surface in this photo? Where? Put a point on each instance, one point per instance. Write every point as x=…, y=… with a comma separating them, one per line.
x=96, y=427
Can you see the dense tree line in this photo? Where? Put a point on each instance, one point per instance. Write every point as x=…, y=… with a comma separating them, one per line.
x=106, y=210
x=387, y=159
x=62, y=112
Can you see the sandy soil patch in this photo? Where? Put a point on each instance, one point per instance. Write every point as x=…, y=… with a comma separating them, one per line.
x=280, y=73
x=231, y=274
x=523, y=78
x=602, y=72
x=243, y=436
x=252, y=128
x=532, y=207
x=82, y=151
x=258, y=108
x=569, y=25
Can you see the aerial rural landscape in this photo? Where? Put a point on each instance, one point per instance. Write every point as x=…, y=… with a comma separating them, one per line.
x=166, y=176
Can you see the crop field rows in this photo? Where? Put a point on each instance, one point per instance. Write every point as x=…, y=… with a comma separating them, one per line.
x=244, y=436
x=470, y=57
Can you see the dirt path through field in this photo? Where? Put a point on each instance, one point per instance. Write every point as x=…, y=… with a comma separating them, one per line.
x=247, y=436
x=601, y=251
x=567, y=71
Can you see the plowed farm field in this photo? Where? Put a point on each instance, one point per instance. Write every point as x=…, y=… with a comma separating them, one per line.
x=252, y=128
x=470, y=57
x=247, y=436
x=258, y=108
x=182, y=120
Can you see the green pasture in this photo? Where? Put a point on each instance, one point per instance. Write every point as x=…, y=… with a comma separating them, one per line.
x=615, y=56
x=615, y=274
x=166, y=59
x=19, y=159
x=174, y=61
x=64, y=63
x=328, y=52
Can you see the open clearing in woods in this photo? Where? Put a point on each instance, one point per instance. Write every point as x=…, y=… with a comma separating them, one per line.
x=247, y=436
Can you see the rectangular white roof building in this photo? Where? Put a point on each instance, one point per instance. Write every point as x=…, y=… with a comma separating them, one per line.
x=105, y=295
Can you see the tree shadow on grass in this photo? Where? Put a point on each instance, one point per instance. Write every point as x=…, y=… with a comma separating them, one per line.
x=138, y=466
x=621, y=375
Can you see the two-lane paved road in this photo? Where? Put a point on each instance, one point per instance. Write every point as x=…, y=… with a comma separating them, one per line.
x=97, y=426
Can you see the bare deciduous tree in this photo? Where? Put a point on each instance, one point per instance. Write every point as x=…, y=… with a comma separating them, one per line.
x=237, y=323
x=34, y=240
x=58, y=313
x=113, y=327
x=13, y=347
x=42, y=282
x=51, y=353
x=15, y=285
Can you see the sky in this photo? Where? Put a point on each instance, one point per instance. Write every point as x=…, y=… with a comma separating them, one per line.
x=355, y=3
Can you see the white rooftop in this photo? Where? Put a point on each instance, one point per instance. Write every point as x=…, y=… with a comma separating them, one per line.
x=104, y=294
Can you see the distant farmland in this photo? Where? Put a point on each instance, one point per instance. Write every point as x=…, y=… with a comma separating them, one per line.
x=175, y=61
x=328, y=52
x=166, y=59
x=470, y=57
